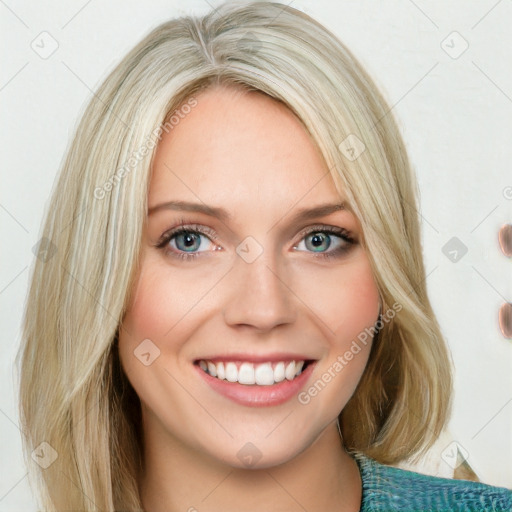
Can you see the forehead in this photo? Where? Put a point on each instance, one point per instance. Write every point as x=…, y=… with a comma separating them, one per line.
x=241, y=150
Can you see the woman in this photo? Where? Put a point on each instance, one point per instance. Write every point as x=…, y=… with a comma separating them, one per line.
x=233, y=315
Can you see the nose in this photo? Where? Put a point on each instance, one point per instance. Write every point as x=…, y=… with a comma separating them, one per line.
x=260, y=295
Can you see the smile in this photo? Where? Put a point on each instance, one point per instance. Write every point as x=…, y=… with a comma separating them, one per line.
x=247, y=373
x=256, y=383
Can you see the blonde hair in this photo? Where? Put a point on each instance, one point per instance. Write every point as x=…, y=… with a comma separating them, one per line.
x=73, y=393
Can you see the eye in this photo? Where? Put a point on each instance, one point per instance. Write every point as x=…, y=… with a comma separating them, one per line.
x=187, y=242
x=190, y=241
x=327, y=241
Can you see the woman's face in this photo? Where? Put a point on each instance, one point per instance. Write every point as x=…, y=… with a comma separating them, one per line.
x=256, y=284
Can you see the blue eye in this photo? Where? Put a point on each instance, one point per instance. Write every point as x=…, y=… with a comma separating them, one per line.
x=185, y=242
x=188, y=242
x=326, y=241
x=318, y=241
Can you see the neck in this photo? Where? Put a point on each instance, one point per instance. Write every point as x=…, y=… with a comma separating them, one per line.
x=176, y=478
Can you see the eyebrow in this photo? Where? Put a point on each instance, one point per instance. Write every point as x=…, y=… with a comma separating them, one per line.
x=223, y=215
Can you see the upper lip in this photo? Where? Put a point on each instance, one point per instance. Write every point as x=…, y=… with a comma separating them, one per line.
x=256, y=358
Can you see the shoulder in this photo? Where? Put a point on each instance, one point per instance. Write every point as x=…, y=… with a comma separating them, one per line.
x=391, y=489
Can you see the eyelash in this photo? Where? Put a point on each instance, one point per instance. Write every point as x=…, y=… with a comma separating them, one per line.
x=183, y=227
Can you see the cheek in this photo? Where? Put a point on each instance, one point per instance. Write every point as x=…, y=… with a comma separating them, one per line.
x=154, y=314
x=166, y=308
x=165, y=303
x=348, y=308
x=344, y=299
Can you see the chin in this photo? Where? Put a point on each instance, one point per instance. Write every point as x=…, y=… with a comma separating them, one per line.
x=253, y=453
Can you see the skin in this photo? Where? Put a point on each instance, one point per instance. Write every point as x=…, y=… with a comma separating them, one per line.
x=250, y=155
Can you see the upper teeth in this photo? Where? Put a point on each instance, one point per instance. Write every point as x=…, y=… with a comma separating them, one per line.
x=264, y=374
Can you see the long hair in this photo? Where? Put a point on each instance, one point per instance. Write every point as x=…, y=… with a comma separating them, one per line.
x=74, y=395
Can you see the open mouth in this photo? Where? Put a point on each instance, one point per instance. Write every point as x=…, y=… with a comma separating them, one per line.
x=251, y=374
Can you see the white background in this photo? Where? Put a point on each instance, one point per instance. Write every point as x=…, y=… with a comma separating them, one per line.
x=456, y=117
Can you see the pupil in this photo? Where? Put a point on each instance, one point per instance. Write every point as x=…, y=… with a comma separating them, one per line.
x=189, y=240
x=319, y=239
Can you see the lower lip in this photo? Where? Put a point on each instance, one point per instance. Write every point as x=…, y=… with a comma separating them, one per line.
x=258, y=396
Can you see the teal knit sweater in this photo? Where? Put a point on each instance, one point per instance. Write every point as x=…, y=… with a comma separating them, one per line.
x=389, y=489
